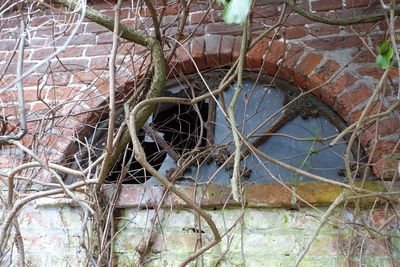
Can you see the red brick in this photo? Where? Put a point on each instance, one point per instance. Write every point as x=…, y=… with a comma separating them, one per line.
x=78, y=112
x=330, y=92
x=31, y=94
x=305, y=67
x=99, y=63
x=7, y=161
x=386, y=127
x=351, y=99
x=72, y=52
x=376, y=72
x=213, y=43
x=6, y=80
x=88, y=77
x=81, y=39
x=254, y=56
x=204, y=17
x=236, y=48
x=295, y=32
x=320, y=29
x=183, y=56
x=377, y=39
x=197, y=51
x=140, y=66
x=39, y=43
x=222, y=28
x=259, y=25
x=322, y=75
x=326, y=5
x=68, y=29
x=39, y=54
x=286, y=70
x=387, y=168
x=169, y=9
x=189, y=30
x=70, y=64
x=198, y=7
x=297, y=20
x=275, y=53
x=33, y=80
x=384, y=147
x=38, y=107
x=363, y=57
x=12, y=68
x=374, y=109
x=58, y=79
x=140, y=11
x=169, y=21
x=265, y=11
x=111, y=13
x=225, y=51
x=95, y=100
x=57, y=142
x=104, y=38
x=8, y=45
x=62, y=93
x=45, y=31
x=359, y=3
x=130, y=23
x=361, y=28
x=11, y=23
x=4, y=55
x=98, y=50
x=334, y=43
x=40, y=21
x=380, y=217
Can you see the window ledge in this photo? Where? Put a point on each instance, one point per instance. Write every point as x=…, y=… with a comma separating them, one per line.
x=256, y=195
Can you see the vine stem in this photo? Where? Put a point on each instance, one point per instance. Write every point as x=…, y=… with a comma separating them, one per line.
x=141, y=158
x=235, y=180
x=338, y=21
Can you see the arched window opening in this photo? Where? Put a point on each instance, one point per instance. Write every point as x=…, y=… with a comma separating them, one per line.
x=200, y=137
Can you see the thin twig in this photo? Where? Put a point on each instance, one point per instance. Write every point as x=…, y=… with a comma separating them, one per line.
x=323, y=220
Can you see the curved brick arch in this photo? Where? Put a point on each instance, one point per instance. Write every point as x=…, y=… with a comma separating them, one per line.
x=310, y=55
x=342, y=90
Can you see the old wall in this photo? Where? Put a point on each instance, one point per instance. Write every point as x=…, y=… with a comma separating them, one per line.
x=267, y=237
x=66, y=97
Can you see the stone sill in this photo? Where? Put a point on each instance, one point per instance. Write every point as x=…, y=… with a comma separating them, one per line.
x=256, y=195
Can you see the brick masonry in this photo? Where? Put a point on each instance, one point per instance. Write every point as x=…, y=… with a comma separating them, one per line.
x=271, y=237
x=305, y=53
x=324, y=53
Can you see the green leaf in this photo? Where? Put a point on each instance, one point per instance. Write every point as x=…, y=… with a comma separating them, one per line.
x=383, y=60
x=384, y=46
x=389, y=54
x=236, y=11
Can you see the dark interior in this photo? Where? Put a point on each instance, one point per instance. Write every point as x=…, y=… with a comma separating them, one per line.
x=180, y=127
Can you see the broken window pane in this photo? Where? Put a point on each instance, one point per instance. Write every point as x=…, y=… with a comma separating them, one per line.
x=297, y=135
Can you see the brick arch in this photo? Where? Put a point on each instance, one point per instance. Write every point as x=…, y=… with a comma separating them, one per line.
x=309, y=56
x=344, y=91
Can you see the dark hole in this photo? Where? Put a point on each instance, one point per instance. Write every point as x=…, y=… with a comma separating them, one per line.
x=179, y=125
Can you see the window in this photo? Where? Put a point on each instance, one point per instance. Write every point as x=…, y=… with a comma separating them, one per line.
x=200, y=136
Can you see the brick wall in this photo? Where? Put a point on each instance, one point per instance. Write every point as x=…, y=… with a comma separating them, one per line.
x=68, y=95
x=271, y=237
x=74, y=87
